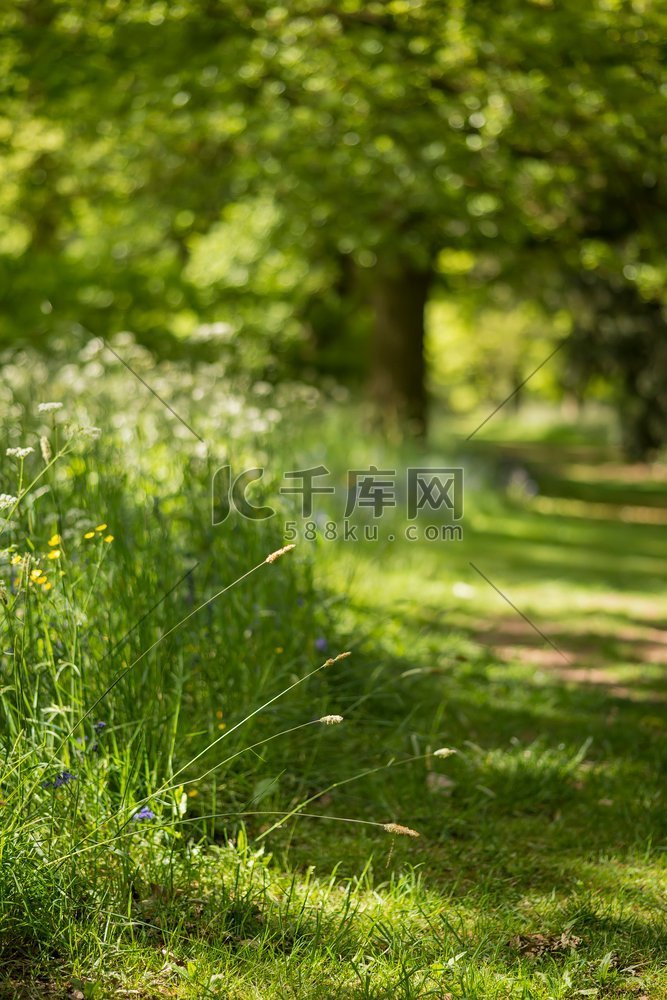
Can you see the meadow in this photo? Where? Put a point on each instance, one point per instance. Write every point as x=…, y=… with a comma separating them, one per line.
x=201, y=796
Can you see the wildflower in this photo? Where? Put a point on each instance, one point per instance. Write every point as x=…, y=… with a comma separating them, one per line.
x=17, y=559
x=99, y=726
x=49, y=407
x=193, y=793
x=63, y=778
x=42, y=579
x=6, y=500
x=45, y=449
x=143, y=814
x=35, y=574
x=89, y=534
x=54, y=540
x=278, y=553
x=443, y=752
x=321, y=644
x=401, y=831
x=47, y=586
x=331, y=720
x=108, y=539
x=101, y=527
x=54, y=554
x=19, y=452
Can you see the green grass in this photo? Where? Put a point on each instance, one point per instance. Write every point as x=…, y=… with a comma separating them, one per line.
x=548, y=820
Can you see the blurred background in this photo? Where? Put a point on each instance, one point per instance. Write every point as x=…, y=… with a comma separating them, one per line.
x=412, y=234
x=418, y=201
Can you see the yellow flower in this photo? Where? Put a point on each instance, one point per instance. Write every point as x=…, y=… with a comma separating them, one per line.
x=41, y=579
x=54, y=540
x=47, y=586
x=108, y=538
x=279, y=649
x=16, y=560
x=35, y=573
x=193, y=793
x=101, y=527
x=221, y=725
x=89, y=534
x=54, y=554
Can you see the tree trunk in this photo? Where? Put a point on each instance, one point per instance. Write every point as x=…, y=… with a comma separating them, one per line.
x=397, y=382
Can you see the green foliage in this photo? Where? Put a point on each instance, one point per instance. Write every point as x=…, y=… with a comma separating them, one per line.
x=109, y=645
x=528, y=829
x=172, y=164
x=37, y=901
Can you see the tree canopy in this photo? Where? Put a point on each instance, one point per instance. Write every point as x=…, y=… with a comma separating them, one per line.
x=246, y=168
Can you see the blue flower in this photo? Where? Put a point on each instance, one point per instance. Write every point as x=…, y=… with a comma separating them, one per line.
x=63, y=778
x=321, y=644
x=144, y=813
x=99, y=726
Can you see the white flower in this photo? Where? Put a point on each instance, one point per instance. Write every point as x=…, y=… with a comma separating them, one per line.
x=19, y=452
x=49, y=407
x=443, y=752
x=92, y=432
x=79, y=430
x=6, y=500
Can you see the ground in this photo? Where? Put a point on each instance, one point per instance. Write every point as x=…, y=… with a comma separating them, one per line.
x=536, y=649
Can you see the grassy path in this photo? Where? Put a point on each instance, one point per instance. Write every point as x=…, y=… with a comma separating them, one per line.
x=550, y=821
x=540, y=867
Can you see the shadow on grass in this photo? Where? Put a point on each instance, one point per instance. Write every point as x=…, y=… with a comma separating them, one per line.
x=557, y=788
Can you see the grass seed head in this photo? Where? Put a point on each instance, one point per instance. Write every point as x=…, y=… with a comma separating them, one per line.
x=401, y=831
x=331, y=720
x=341, y=656
x=278, y=553
x=443, y=752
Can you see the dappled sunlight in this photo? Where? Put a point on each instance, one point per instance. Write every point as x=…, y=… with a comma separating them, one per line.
x=333, y=621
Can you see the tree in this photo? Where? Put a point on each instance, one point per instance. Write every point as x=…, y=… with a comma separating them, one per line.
x=380, y=133
x=399, y=128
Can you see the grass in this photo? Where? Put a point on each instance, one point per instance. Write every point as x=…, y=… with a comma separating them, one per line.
x=540, y=866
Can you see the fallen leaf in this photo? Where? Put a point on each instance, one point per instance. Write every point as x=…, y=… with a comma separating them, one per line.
x=536, y=945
